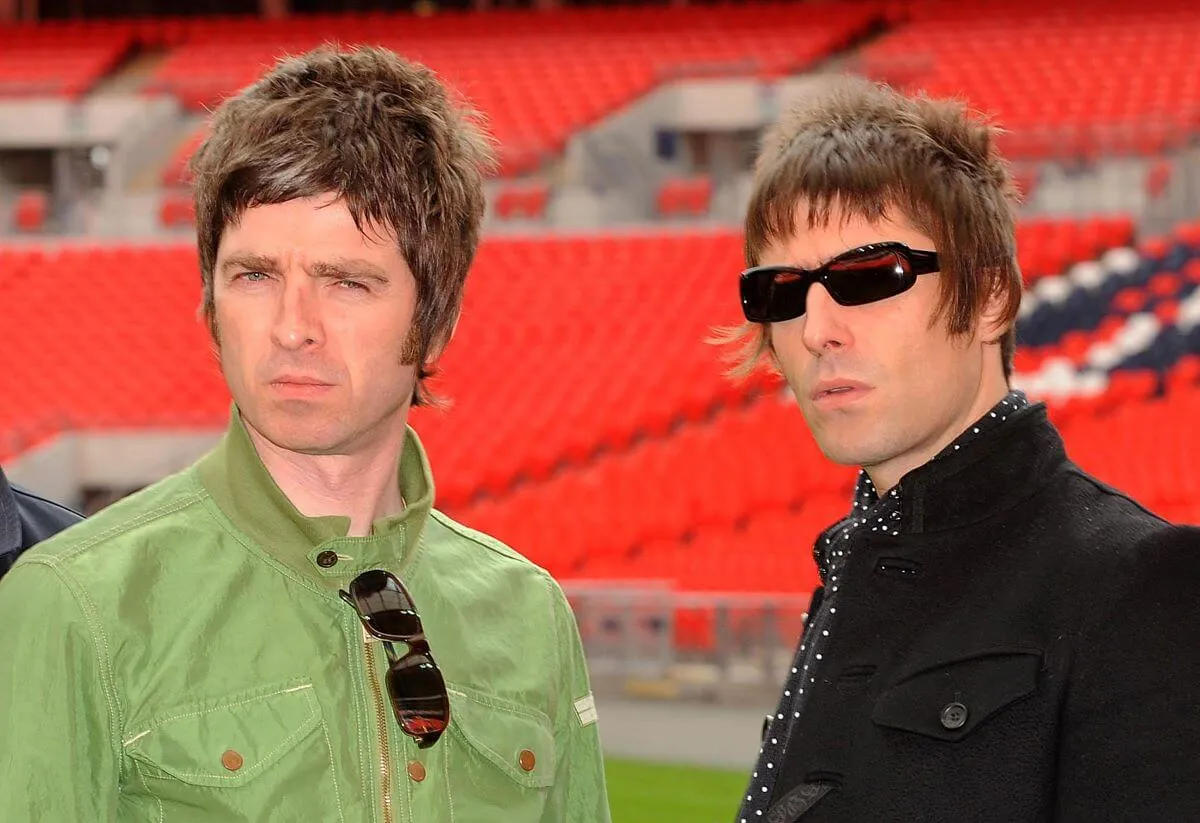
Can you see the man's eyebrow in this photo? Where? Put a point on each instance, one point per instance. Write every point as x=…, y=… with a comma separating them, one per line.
x=248, y=261
x=341, y=267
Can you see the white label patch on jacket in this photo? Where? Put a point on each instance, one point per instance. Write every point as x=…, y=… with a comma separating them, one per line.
x=585, y=707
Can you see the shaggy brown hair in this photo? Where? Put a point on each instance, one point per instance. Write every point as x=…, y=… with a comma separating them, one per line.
x=383, y=135
x=866, y=150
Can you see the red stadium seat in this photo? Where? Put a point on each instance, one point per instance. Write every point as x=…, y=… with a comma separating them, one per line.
x=527, y=200
x=1158, y=177
x=685, y=196
x=176, y=210
x=30, y=211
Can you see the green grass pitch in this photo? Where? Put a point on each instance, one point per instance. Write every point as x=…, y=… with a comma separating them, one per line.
x=655, y=793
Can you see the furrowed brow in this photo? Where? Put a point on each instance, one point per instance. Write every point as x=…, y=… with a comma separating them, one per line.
x=341, y=268
x=248, y=261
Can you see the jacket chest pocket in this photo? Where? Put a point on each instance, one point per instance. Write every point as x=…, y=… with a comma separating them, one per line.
x=254, y=757
x=496, y=761
x=952, y=700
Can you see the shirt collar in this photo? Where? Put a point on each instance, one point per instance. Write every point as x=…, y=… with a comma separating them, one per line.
x=865, y=493
x=10, y=521
x=240, y=485
x=999, y=470
x=950, y=474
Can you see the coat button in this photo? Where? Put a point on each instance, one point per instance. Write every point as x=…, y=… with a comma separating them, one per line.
x=527, y=760
x=327, y=559
x=232, y=760
x=416, y=771
x=954, y=716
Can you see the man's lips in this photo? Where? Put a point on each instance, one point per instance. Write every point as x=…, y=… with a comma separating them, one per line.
x=830, y=389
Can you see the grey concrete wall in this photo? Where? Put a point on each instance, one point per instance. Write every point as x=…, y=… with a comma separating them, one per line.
x=46, y=122
x=60, y=468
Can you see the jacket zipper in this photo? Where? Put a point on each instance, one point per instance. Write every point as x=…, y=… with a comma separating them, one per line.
x=381, y=718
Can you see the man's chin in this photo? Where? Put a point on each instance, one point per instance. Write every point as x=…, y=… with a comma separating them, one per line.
x=288, y=433
x=845, y=450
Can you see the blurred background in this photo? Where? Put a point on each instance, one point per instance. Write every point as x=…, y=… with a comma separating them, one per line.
x=592, y=428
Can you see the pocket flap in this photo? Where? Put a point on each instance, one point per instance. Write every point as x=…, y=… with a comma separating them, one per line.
x=951, y=700
x=231, y=741
x=518, y=740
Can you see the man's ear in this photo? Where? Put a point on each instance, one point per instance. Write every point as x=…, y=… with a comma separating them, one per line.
x=437, y=353
x=992, y=325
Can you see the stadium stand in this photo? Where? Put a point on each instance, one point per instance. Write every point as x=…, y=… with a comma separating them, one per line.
x=538, y=78
x=58, y=60
x=1074, y=79
x=581, y=383
x=580, y=380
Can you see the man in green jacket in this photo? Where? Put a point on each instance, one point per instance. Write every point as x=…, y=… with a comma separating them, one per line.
x=288, y=630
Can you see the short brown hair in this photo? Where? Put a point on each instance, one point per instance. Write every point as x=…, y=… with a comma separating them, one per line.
x=383, y=135
x=866, y=149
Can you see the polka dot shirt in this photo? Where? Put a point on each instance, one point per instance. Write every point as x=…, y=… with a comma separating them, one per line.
x=831, y=553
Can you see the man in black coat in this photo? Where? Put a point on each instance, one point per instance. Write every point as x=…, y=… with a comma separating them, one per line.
x=998, y=636
x=26, y=519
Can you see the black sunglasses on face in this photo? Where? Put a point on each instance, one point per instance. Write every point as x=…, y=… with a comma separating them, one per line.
x=773, y=294
x=414, y=682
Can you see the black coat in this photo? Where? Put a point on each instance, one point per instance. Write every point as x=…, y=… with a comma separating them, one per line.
x=1027, y=649
x=26, y=519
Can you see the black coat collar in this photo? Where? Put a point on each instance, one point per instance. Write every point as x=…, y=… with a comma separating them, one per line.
x=996, y=473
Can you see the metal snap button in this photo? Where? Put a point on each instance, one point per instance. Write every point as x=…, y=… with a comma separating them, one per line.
x=416, y=771
x=527, y=760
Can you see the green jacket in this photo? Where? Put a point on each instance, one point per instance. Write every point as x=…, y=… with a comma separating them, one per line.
x=182, y=656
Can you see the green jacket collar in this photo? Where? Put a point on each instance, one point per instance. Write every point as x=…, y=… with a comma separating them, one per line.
x=234, y=476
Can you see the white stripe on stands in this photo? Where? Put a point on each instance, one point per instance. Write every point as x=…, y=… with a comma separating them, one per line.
x=1058, y=377
x=1189, y=312
x=1088, y=274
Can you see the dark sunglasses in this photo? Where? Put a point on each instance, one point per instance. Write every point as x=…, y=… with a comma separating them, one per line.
x=414, y=682
x=773, y=294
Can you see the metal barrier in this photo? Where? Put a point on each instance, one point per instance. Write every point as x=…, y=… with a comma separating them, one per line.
x=646, y=638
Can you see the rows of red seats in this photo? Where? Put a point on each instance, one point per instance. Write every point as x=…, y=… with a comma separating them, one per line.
x=1148, y=448
x=1073, y=78
x=538, y=78
x=1158, y=297
x=57, y=62
x=1145, y=446
x=570, y=345
x=1048, y=246
x=611, y=331
x=567, y=346
x=709, y=475
x=103, y=337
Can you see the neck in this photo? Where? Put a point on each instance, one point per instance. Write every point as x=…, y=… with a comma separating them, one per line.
x=363, y=487
x=884, y=476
